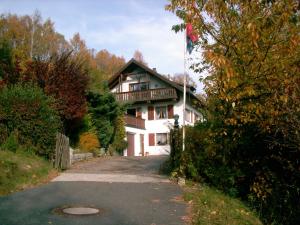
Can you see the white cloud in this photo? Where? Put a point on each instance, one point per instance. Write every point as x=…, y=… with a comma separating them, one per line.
x=161, y=47
x=118, y=26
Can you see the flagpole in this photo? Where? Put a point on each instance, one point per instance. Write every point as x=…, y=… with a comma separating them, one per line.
x=184, y=93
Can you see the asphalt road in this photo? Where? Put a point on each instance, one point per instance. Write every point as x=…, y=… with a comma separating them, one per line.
x=120, y=203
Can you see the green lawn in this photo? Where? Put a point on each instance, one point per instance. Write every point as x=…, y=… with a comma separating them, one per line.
x=210, y=206
x=22, y=170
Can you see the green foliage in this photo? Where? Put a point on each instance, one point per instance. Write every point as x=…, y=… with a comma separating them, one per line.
x=8, y=70
x=251, y=53
x=104, y=111
x=11, y=143
x=26, y=114
x=119, y=143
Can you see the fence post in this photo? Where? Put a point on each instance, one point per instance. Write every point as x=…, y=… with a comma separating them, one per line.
x=62, y=152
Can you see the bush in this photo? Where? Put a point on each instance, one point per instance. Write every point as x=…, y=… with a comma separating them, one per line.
x=269, y=179
x=11, y=143
x=119, y=143
x=89, y=142
x=105, y=114
x=26, y=111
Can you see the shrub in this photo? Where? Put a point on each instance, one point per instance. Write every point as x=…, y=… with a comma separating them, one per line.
x=26, y=111
x=119, y=143
x=248, y=168
x=104, y=111
x=89, y=142
x=11, y=143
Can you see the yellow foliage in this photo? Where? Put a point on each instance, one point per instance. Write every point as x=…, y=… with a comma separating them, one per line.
x=261, y=188
x=88, y=142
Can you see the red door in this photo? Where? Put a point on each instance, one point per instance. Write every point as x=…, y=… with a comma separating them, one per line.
x=130, y=148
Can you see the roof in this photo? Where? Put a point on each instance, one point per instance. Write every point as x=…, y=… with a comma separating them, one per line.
x=154, y=73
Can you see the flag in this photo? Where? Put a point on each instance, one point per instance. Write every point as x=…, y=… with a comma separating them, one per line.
x=191, y=38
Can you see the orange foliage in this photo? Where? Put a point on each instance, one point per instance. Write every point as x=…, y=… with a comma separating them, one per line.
x=88, y=141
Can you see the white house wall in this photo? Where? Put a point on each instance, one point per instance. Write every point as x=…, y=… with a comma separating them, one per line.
x=154, y=82
x=155, y=126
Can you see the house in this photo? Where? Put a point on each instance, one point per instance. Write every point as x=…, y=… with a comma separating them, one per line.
x=153, y=101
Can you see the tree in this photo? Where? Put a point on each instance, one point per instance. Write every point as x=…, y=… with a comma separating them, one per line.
x=178, y=78
x=119, y=144
x=30, y=37
x=251, y=52
x=66, y=80
x=104, y=110
x=28, y=115
x=106, y=116
x=6, y=64
x=108, y=63
x=80, y=51
x=138, y=56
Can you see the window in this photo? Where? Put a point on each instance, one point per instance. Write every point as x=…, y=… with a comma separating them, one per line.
x=162, y=139
x=188, y=115
x=161, y=112
x=139, y=86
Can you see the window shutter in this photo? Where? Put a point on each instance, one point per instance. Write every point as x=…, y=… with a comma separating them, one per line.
x=150, y=113
x=151, y=140
x=170, y=111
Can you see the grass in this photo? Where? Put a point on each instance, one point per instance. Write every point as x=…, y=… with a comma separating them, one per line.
x=210, y=206
x=21, y=170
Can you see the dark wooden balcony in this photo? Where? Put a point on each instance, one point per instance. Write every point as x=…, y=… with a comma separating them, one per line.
x=135, y=122
x=147, y=95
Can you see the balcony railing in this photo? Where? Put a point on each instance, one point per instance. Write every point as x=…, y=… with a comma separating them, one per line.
x=147, y=95
x=134, y=122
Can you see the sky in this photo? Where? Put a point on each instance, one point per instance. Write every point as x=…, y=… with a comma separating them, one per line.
x=120, y=26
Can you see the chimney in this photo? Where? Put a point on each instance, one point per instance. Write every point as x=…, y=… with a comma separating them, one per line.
x=154, y=69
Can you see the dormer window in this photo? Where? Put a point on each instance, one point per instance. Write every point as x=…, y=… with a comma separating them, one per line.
x=139, y=86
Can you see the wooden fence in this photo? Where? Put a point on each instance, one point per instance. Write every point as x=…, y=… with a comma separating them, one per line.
x=62, y=152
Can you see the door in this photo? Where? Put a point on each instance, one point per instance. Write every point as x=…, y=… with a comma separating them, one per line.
x=130, y=148
x=142, y=144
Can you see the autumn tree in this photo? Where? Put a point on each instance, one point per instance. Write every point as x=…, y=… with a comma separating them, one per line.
x=30, y=37
x=179, y=78
x=81, y=52
x=106, y=65
x=66, y=80
x=138, y=56
x=251, y=54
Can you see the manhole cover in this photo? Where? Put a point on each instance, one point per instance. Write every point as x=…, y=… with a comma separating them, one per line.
x=77, y=210
x=80, y=211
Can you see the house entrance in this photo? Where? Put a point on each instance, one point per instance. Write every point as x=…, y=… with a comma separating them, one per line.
x=130, y=148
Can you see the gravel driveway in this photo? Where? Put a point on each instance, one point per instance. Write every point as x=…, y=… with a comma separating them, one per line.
x=120, y=165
